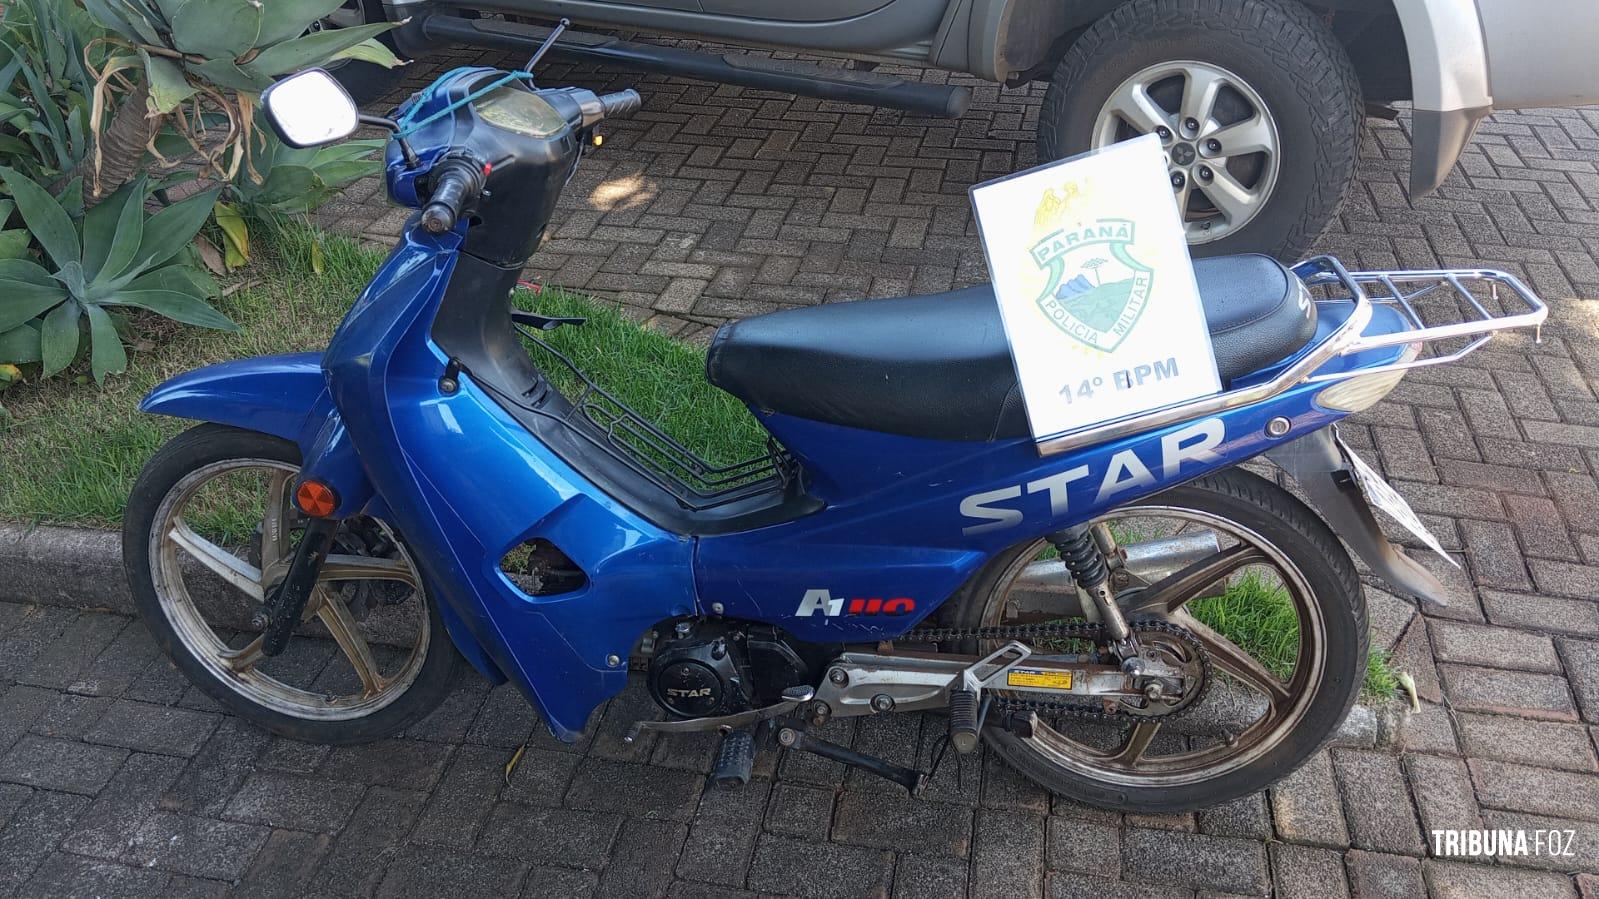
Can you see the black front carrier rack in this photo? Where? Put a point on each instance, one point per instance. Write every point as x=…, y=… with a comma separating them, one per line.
x=599, y=419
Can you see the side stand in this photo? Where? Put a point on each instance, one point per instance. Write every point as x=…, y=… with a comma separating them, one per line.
x=790, y=735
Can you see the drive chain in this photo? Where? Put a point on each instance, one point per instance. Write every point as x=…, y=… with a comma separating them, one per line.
x=1028, y=633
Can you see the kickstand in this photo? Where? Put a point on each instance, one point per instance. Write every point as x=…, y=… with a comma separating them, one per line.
x=792, y=735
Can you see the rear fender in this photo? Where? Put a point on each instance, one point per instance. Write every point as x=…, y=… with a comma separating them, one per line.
x=1322, y=472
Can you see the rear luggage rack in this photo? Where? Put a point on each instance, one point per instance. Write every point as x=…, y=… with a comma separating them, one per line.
x=1467, y=307
x=610, y=425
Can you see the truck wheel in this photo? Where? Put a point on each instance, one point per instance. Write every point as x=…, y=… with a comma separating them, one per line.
x=365, y=81
x=1256, y=103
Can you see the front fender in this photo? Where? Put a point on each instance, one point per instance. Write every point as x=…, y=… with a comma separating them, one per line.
x=270, y=394
x=285, y=396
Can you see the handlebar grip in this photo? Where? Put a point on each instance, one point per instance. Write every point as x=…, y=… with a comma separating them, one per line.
x=621, y=103
x=444, y=207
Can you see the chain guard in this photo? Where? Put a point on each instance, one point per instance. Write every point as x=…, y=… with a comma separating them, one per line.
x=1073, y=631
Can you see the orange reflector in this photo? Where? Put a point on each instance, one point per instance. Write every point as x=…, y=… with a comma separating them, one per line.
x=315, y=499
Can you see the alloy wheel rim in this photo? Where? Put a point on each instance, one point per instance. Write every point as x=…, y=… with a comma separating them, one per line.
x=173, y=539
x=1128, y=763
x=1223, y=150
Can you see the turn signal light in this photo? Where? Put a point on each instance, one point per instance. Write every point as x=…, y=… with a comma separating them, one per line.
x=315, y=499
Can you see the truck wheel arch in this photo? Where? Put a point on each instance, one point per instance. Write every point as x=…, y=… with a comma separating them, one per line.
x=1441, y=41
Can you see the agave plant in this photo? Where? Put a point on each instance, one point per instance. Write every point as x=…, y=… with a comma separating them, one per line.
x=298, y=180
x=204, y=58
x=116, y=256
x=46, y=80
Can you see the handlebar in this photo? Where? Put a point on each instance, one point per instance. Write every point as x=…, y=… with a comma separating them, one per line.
x=621, y=103
x=458, y=185
x=458, y=179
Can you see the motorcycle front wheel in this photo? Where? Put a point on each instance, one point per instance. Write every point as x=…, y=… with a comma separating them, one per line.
x=1273, y=600
x=210, y=528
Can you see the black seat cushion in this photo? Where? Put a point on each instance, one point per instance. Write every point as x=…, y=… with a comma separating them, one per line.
x=939, y=367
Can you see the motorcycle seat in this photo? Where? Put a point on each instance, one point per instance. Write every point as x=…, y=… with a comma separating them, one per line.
x=939, y=367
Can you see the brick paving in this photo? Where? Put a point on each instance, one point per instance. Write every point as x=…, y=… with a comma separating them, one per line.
x=116, y=777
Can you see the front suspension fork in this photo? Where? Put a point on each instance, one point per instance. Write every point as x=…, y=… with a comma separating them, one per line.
x=284, y=606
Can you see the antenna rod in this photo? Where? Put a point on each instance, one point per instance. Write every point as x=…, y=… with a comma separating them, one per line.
x=548, y=43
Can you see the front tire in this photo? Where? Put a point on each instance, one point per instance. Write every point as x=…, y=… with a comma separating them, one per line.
x=1133, y=766
x=1256, y=102
x=209, y=527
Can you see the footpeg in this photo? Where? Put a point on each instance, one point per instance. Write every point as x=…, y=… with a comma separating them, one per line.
x=734, y=759
x=963, y=719
x=965, y=694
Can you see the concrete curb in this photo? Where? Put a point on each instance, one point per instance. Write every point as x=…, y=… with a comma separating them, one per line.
x=81, y=568
x=78, y=568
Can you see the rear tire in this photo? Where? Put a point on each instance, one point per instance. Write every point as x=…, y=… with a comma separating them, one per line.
x=1335, y=603
x=184, y=623
x=1271, y=54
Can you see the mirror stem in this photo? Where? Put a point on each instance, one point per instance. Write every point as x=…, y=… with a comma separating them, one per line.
x=411, y=160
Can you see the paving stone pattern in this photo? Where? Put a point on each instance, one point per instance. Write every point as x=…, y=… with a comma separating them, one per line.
x=118, y=778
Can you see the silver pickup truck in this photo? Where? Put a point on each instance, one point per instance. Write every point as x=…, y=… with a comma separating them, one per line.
x=1259, y=102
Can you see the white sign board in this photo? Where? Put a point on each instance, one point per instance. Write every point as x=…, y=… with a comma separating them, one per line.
x=1091, y=270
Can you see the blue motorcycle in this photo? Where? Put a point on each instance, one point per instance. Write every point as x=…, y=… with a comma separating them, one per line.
x=440, y=484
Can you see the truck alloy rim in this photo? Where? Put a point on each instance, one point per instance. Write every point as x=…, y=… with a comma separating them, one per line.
x=184, y=534
x=1257, y=709
x=1222, y=147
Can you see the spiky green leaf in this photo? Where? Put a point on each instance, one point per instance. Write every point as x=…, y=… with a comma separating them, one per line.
x=14, y=243
x=169, y=230
x=20, y=344
x=106, y=356
x=167, y=85
x=312, y=49
x=58, y=339
x=180, y=277
x=292, y=17
x=169, y=8
x=49, y=222
x=24, y=301
x=175, y=305
x=26, y=271
x=113, y=230
x=217, y=29
x=372, y=51
x=112, y=14
x=223, y=73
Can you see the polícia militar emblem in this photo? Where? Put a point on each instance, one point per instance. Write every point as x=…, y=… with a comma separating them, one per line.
x=1094, y=289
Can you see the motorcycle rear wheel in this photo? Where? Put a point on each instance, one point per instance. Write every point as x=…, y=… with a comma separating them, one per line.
x=1134, y=766
x=210, y=527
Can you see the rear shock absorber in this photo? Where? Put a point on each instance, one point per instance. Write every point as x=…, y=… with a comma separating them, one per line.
x=1082, y=557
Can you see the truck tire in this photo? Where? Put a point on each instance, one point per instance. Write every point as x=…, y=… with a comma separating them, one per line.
x=1255, y=101
x=366, y=82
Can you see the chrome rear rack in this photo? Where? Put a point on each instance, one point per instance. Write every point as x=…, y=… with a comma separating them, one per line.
x=1465, y=308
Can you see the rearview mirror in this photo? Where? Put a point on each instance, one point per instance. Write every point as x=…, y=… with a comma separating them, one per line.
x=309, y=109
